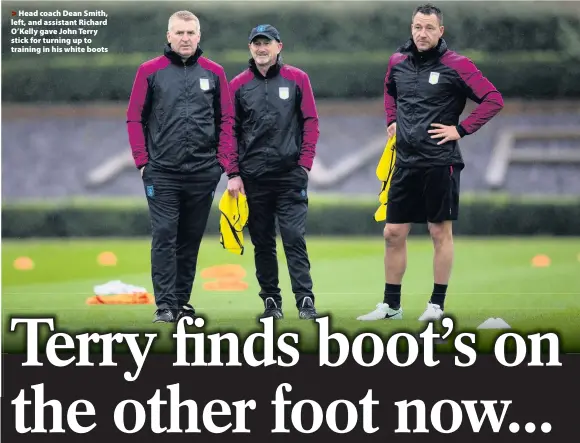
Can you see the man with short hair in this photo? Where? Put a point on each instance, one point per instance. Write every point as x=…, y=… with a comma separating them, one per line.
x=179, y=122
x=426, y=88
x=276, y=129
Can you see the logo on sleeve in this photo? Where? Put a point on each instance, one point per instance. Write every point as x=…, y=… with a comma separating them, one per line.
x=284, y=92
x=150, y=191
x=204, y=84
x=433, y=78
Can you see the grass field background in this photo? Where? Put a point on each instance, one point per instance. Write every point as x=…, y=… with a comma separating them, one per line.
x=492, y=277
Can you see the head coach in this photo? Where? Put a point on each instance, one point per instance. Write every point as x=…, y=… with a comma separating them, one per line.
x=179, y=122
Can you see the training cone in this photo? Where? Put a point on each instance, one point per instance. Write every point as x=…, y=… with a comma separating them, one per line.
x=227, y=285
x=541, y=261
x=107, y=259
x=494, y=323
x=23, y=264
x=224, y=271
x=224, y=278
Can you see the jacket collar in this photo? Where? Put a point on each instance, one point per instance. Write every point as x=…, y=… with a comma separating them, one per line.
x=176, y=58
x=272, y=72
x=410, y=48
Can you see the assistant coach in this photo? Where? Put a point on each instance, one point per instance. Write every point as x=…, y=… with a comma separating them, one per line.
x=276, y=129
x=179, y=121
x=426, y=89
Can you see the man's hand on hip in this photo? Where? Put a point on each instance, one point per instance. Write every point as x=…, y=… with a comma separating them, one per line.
x=392, y=130
x=447, y=133
x=235, y=186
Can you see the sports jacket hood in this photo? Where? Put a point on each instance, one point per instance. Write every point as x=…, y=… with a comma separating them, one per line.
x=272, y=72
x=174, y=57
x=410, y=49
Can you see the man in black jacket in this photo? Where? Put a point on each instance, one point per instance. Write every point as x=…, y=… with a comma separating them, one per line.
x=179, y=122
x=276, y=129
x=426, y=88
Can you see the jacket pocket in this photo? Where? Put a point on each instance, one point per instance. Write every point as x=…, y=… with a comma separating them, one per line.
x=148, y=185
x=287, y=148
x=301, y=195
x=160, y=123
x=304, y=174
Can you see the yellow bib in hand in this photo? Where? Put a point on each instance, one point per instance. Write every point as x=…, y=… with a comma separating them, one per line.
x=384, y=172
x=233, y=220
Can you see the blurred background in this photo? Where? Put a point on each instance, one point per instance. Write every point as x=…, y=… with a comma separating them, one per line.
x=66, y=163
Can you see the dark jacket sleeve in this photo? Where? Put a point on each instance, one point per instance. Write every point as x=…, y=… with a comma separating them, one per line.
x=390, y=93
x=237, y=127
x=311, y=130
x=137, y=115
x=481, y=91
x=224, y=109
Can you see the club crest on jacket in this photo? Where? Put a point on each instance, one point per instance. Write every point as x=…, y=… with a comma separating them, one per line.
x=284, y=92
x=433, y=78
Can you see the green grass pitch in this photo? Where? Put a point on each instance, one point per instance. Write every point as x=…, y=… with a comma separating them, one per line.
x=492, y=277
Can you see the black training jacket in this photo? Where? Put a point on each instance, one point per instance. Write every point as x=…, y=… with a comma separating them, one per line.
x=180, y=114
x=276, y=122
x=432, y=87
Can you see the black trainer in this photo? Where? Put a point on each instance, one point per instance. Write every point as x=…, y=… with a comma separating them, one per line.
x=272, y=309
x=307, y=310
x=186, y=311
x=164, y=316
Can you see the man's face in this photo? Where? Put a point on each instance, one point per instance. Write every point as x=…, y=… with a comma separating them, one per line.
x=426, y=31
x=183, y=36
x=264, y=51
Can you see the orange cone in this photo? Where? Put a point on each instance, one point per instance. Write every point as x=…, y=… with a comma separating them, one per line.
x=23, y=264
x=107, y=259
x=122, y=299
x=226, y=284
x=541, y=261
x=224, y=278
x=224, y=271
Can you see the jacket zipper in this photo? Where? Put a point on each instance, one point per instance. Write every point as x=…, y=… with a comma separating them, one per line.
x=267, y=102
x=186, y=98
x=415, y=96
x=267, y=110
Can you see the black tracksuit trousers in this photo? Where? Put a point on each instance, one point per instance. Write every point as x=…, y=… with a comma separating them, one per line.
x=179, y=207
x=283, y=197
